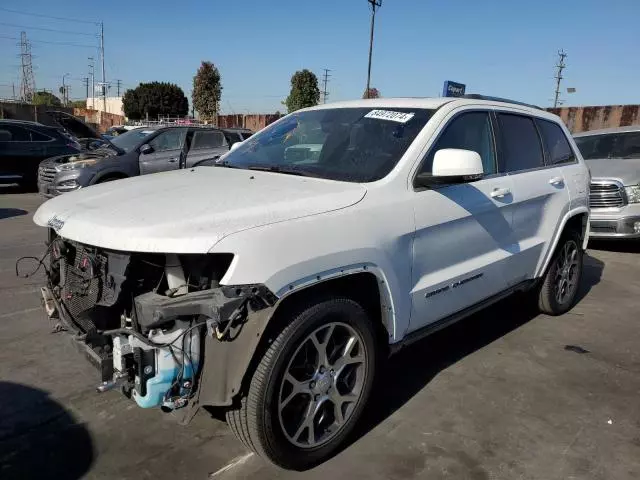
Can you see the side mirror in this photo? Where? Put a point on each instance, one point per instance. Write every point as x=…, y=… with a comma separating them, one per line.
x=452, y=165
x=235, y=146
x=146, y=148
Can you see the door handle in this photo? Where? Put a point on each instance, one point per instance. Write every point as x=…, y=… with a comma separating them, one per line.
x=500, y=192
x=556, y=181
x=173, y=160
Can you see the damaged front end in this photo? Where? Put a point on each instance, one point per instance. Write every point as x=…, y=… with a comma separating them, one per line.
x=157, y=326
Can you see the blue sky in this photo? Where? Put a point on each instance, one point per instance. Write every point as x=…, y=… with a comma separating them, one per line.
x=497, y=47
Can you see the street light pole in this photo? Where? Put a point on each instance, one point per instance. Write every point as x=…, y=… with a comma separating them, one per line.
x=374, y=4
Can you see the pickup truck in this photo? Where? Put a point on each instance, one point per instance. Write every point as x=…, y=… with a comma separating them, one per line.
x=613, y=157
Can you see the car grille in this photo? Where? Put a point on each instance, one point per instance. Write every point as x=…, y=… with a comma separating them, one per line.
x=606, y=195
x=46, y=175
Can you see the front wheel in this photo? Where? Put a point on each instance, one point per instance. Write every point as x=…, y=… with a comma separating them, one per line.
x=310, y=386
x=561, y=282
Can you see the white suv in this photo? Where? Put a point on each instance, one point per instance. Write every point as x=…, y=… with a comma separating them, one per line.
x=272, y=285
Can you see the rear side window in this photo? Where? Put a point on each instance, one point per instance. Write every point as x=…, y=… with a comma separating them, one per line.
x=468, y=131
x=555, y=142
x=39, y=137
x=13, y=133
x=233, y=137
x=521, y=148
x=207, y=139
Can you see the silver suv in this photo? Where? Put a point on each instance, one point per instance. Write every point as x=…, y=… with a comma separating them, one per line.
x=136, y=152
x=613, y=156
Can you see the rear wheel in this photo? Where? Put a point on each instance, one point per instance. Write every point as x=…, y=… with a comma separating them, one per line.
x=310, y=386
x=560, y=285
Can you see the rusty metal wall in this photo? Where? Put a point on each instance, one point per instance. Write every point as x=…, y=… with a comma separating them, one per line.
x=101, y=121
x=253, y=122
x=582, y=119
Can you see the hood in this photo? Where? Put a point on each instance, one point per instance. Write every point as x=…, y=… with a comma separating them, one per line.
x=77, y=157
x=73, y=125
x=189, y=211
x=625, y=170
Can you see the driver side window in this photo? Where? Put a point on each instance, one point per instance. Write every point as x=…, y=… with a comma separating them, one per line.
x=467, y=131
x=169, y=140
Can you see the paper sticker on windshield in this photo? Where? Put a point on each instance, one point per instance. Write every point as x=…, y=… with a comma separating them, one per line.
x=399, y=117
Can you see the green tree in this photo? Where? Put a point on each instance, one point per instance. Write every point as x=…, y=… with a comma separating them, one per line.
x=207, y=90
x=304, y=91
x=373, y=93
x=153, y=99
x=46, y=98
x=78, y=104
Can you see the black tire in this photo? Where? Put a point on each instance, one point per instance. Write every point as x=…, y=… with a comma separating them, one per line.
x=548, y=301
x=256, y=421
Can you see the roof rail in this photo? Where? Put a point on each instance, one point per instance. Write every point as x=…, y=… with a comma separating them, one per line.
x=476, y=96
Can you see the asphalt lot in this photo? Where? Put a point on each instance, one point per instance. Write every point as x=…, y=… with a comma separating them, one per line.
x=504, y=394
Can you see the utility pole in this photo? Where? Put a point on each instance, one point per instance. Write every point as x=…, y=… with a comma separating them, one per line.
x=93, y=85
x=13, y=87
x=118, y=85
x=560, y=66
x=104, y=82
x=65, y=95
x=85, y=82
x=374, y=4
x=325, y=80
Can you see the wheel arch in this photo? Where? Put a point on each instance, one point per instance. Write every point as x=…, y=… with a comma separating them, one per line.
x=109, y=175
x=577, y=219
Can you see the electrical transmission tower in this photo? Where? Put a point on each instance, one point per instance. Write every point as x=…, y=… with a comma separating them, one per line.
x=560, y=66
x=325, y=80
x=27, y=82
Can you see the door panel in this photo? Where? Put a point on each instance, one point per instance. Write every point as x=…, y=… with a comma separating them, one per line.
x=463, y=247
x=541, y=200
x=167, y=152
x=541, y=197
x=206, y=145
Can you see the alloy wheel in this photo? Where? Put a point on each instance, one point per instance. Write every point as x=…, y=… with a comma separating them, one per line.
x=322, y=385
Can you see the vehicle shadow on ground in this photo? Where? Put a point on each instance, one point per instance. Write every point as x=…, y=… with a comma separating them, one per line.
x=11, y=212
x=621, y=246
x=15, y=188
x=411, y=369
x=39, y=438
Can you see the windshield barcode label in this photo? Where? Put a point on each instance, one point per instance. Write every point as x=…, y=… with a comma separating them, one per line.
x=399, y=117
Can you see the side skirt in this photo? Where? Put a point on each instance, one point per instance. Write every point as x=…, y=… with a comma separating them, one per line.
x=451, y=319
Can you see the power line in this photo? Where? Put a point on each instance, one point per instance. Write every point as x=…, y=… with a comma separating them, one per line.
x=63, y=44
x=47, y=29
x=65, y=19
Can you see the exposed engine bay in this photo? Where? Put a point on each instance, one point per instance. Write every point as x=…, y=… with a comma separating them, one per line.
x=145, y=319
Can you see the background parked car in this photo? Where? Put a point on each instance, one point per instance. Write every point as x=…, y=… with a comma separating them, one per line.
x=136, y=152
x=23, y=145
x=613, y=157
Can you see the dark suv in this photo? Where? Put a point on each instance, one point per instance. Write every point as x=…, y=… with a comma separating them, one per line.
x=136, y=152
x=23, y=145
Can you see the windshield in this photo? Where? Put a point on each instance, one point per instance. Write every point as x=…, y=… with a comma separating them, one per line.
x=346, y=144
x=131, y=139
x=612, y=145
